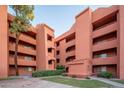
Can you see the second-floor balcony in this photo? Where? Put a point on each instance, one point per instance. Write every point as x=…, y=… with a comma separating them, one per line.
x=22, y=49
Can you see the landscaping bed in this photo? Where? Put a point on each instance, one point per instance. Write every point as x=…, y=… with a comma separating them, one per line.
x=47, y=73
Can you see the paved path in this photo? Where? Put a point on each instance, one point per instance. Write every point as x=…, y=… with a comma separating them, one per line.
x=115, y=84
x=31, y=83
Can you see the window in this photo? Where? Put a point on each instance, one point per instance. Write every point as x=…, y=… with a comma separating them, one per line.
x=57, y=52
x=103, y=68
x=58, y=61
x=49, y=37
x=50, y=50
x=28, y=69
x=50, y=62
x=57, y=43
x=28, y=47
x=28, y=58
x=103, y=55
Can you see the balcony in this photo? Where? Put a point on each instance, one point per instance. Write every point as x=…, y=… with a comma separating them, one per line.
x=25, y=38
x=22, y=49
x=51, y=58
x=50, y=44
x=22, y=62
x=103, y=12
x=57, y=56
x=105, y=61
x=70, y=53
x=105, y=45
x=70, y=43
x=51, y=54
x=105, y=30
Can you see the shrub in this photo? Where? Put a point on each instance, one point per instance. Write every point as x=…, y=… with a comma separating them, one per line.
x=47, y=73
x=105, y=74
x=60, y=67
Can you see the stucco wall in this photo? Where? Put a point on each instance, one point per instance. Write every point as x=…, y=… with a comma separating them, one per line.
x=3, y=42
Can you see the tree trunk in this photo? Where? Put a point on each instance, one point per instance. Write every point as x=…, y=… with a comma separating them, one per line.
x=16, y=54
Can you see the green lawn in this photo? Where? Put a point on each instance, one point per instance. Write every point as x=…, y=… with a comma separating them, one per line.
x=119, y=81
x=78, y=83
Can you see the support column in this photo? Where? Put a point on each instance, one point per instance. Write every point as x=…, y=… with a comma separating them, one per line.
x=121, y=37
x=3, y=42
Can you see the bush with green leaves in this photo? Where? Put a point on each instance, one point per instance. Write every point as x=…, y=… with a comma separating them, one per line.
x=60, y=67
x=105, y=74
x=47, y=73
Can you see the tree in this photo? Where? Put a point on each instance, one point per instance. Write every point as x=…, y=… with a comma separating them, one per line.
x=24, y=14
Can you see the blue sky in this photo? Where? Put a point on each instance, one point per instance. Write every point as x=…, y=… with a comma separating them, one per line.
x=59, y=17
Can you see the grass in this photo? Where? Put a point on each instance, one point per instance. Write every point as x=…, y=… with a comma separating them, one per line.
x=119, y=81
x=78, y=83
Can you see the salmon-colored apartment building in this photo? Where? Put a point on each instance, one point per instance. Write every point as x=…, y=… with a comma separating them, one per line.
x=35, y=50
x=93, y=44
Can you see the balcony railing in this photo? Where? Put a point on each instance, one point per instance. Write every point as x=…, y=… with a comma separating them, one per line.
x=70, y=53
x=105, y=30
x=22, y=49
x=25, y=38
x=105, y=45
x=105, y=61
x=70, y=43
x=22, y=62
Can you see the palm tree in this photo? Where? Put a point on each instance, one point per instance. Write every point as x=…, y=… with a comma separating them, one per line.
x=24, y=14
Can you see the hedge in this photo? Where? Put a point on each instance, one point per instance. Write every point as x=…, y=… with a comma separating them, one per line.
x=105, y=74
x=60, y=67
x=47, y=73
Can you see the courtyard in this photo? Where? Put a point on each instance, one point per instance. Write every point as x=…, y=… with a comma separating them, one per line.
x=30, y=83
x=53, y=82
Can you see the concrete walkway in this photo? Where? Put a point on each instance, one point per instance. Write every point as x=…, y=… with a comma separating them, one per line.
x=115, y=84
x=31, y=83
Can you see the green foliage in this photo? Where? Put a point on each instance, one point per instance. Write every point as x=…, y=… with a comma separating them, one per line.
x=19, y=25
x=105, y=74
x=24, y=11
x=47, y=73
x=60, y=67
x=23, y=16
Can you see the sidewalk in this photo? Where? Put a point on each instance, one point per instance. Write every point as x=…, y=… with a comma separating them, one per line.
x=115, y=84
